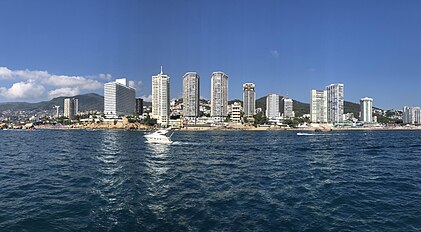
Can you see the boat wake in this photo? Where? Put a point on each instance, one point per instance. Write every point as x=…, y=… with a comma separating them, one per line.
x=184, y=143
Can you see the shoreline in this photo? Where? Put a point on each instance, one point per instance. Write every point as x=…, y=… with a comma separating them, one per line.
x=245, y=128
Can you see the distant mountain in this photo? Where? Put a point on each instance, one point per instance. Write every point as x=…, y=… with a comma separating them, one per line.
x=90, y=101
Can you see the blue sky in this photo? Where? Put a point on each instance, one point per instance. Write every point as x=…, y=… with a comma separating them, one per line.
x=51, y=48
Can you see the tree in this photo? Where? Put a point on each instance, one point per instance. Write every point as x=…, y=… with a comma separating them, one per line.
x=149, y=121
x=260, y=119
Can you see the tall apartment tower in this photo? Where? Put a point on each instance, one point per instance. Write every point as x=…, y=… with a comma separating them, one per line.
x=335, y=103
x=366, y=109
x=191, y=95
x=119, y=98
x=71, y=106
x=219, y=94
x=161, y=98
x=139, y=106
x=411, y=115
x=272, y=106
x=249, y=99
x=318, y=106
x=287, y=107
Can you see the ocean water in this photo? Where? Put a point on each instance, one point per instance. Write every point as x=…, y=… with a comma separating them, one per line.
x=71, y=180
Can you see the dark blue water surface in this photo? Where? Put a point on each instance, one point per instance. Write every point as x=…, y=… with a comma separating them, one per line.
x=59, y=180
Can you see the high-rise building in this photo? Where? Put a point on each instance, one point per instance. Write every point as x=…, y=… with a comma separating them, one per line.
x=366, y=110
x=119, y=98
x=318, y=106
x=219, y=94
x=335, y=103
x=411, y=115
x=191, y=95
x=71, y=107
x=161, y=98
x=272, y=106
x=287, y=107
x=139, y=106
x=249, y=99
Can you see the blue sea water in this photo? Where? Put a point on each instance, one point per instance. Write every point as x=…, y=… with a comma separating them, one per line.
x=74, y=180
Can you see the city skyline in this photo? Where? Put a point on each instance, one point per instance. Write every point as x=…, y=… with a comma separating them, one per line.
x=311, y=44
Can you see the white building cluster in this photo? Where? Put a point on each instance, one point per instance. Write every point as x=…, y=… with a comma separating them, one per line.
x=411, y=115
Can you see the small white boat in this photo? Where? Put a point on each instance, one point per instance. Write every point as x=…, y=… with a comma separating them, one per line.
x=160, y=136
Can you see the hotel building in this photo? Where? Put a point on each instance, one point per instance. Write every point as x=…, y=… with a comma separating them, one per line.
x=191, y=95
x=272, y=106
x=366, y=110
x=219, y=95
x=318, y=106
x=161, y=98
x=119, y=98
x=249, y=99
x=71, y=106
x=335, y=103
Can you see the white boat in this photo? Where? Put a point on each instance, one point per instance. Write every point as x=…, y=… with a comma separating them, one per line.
x=303, y=134
x=160, y=136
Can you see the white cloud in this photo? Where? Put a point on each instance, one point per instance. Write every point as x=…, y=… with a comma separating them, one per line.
x=147, y=98
x=32, y=85
x=274, y=53
x=136, y=85
x=63, y=92
x=23, y=91
x=73, y=81
x=5, y=73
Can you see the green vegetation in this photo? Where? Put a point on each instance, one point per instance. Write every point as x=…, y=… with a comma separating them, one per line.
x=149, y=121
x=260, y=119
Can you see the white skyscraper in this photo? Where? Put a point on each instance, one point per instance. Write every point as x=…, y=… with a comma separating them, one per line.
x=71, y=107
x=411, y=115
x=191, y=94
x=335, y=103
x=219, y=94
x=161, y=98
x=287, y=107
x=249, y=99
x=366, y=109
x=119, y=98
x=272, y=106
x=318, y=106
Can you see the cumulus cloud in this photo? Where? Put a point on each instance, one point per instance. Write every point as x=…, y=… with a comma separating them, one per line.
x=65, y=92
x=147, y=98
x=23, y=90
x=274, y=53
x=136, y=85
x=32, y=84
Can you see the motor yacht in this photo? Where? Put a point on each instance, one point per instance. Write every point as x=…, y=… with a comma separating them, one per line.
x=160, y=136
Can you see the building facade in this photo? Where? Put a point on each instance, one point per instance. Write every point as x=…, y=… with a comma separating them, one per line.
x=219, y=95
x=366, y=110
x=161, y=98
x=335, y=103
x=71, y=106
x=236, y=112
x=318, y=106
x=249, y=99
x=139, y=106
x=287, y=107
x=119, y=98
x=191, y=95
x=272, y=106
x=411, y=115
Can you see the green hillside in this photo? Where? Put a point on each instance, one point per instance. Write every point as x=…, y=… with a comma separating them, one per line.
x=90, y=101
